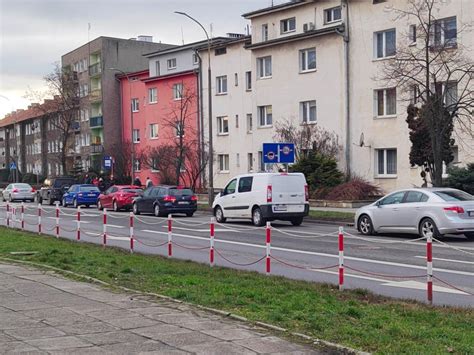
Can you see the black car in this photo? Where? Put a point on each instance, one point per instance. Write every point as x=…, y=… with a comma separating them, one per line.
x=164, y=200
x=53, y=189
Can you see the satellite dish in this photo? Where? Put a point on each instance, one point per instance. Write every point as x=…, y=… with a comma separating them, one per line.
x=361, y=140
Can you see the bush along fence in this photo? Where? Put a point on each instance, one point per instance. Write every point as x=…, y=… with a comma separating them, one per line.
x=14, y=216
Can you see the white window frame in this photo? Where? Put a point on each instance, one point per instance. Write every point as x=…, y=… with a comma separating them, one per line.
x=153, y=166
x=223, y=125
x=223, y=163
x=248, y=81
x=178, y=91
x=221, y=85
x=137, y=166
x=153, y=95
x=304, y=62
x=262, y=67
x=171, y=63
x=265, y=32
x=157, y=68
x=263, y=110
x=195, y=59
x=180, y=132
x=331, y=12
x=135, y=105
x=384, y=174
x=384, y=44
x=250, y=162
x=249, y=121
x=286, y=25
x=376, y=103
x=412, y=35
x=442, y=40
x=136, y=135
x=153, y=130
x=305, y=112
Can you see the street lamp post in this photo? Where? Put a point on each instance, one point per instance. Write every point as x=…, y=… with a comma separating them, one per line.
x=132, y=150
x=211, y=154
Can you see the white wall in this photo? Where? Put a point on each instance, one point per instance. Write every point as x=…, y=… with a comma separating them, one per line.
x=184, y=62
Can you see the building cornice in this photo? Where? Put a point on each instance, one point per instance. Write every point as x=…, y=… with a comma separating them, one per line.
x=169, y=76
x=276, y=8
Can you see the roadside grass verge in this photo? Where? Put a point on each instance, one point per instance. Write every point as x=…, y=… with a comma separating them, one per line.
x=332, y=215
x=355, y=318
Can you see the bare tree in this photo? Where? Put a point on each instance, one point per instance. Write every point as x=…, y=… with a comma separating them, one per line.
x=307, y=137
x=430, y=66
x=121, y=154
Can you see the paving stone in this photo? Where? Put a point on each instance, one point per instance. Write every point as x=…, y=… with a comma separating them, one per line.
x=218, y=349
x=269, y=345
x=208, y=325
x=17, y=347
x=27, y=305
x=180, y=340
x=141, y=347
x=131, y=322
x=180, y=318
x=157, y=310
x=34, y=333
x=88, y=307
x=63, y=320
x=59, y=343
x=112, y=338
x=93, y=350
x=132, y=303
x=156, y=331
x=48, y=313
x=115, y=313
x=23, y=323
x=4, y=338
x=86, y=328
x=232, y=334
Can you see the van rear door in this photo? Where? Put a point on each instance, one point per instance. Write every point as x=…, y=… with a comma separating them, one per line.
x=288, y=193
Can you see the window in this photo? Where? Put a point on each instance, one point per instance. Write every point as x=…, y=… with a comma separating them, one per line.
x=220, y=51
x=154, y=164
x=223, y=161
x=412, y=34
x=135, y=105
x=332, y=15
x=249, y=123
x=375, y=2
x=178, y=91
x=136, y=136
x=171, y=63
x=222, y=125
x=157, y=67
x=248, y=80
x=261, y=164
x=385, y=43
x=245, y=184
x=264, y=67
x=236, y=79
x=249, y=162
x=444, y=32
x=154, y=131
x=448, y=91
x=136, y=165
x=152, y=95
x=415, y=196
x=308, y=111
x=179, y=129
x=265, y=118
x=237, y=160
x=195, y=58
x=221, y=85
x=386, y=161
x=385, y=102
x=307, y=59
x=265, y=32
x=393, y=199
x=288, y=25
x=236, y=121
x=414, y=94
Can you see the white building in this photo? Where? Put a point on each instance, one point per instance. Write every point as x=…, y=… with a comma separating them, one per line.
x=297, y=66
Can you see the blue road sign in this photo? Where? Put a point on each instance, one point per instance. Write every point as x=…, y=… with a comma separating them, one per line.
x=107, y=162
x=278, y=153
x=12, y=166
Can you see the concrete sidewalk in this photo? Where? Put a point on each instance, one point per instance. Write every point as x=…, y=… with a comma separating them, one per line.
x=47, y=314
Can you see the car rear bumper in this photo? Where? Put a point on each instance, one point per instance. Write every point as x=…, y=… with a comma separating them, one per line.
x=180, y=209
x=459, y=226
x=268, y=213
x=23, y=195
x=87, y=201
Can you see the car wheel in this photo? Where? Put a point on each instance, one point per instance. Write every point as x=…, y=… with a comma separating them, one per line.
x=99, y=206
x=10, y=198
x=469, y=235
x=219, y=214
x=115, y=206
x=189, y=214
x=157, y=211
x=64, y=203
x=297, y=221
x=365, y=225
x=428, y=228
x=257, y=217
x=3, y=198
x=50, y=201
x=74, y=203
x=135, y=209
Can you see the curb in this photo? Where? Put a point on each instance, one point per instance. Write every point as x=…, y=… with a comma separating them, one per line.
x=315, y=341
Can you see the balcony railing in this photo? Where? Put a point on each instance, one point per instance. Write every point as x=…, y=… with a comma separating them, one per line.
x=95, y=69
x=97, y=148
x=95, y=95
x=97, y=121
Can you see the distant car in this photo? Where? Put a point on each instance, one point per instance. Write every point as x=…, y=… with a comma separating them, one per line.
x=423, y=211
x=81, y=195
x=119, y=197
x=19, y=192
x=164, y=200
x=54, y=188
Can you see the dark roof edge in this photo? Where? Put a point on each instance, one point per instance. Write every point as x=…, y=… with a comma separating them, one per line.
x=169, y=76
x=184, y=46
x=274, y=8
x=230, y=41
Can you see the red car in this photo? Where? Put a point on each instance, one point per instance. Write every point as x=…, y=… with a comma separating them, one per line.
x=118, y=197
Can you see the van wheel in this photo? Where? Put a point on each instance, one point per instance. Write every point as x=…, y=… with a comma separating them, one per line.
x=469, y=235
x=136, y=211
x=257, y=217
x=219, y=214
x=297, y=221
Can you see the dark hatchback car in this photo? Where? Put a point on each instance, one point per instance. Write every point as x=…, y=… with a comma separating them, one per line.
x=164, y=200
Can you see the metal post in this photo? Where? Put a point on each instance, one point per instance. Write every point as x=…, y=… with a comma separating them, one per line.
x=78, y=237
x=57, y=219
x=170, y=236
x=131, y=232
x=268, y=241
x=429, y=268
x=211, y=250
x=341, y=258
x=23, y=216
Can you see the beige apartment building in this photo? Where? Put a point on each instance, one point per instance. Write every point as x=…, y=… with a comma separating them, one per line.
x=316, y=62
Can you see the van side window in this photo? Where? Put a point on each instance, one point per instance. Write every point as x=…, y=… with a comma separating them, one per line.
x=245, y=184
x=230, y=188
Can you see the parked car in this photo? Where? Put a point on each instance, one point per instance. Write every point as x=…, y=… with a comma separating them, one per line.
x=264, y=197
x=54, y=189
x=164, y=200
x=423, y=211
x=15, y=192
x=119, y=197
x=81, y=195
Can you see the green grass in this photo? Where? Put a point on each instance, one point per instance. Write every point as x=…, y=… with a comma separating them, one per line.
x=332, y=215
x=354, y=318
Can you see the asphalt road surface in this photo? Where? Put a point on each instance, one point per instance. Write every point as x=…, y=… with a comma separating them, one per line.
x=391, y=265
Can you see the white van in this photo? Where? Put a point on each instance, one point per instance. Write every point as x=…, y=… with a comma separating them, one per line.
x=264, y=197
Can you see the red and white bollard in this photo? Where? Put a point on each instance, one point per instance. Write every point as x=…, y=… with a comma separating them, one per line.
x=78, y=236
x=8, y=214
x=341, y=258
x=57, y=219
x=104, y=235
x=429, y=268
x=268, y=241
x=211, y=249
x=131, y=231
x=39, y=218
x=23, y=216
x=170, y=235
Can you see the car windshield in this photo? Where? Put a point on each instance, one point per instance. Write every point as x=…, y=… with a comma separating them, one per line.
x=88, y=189
x=454, y=195
x=22, y=186
x=134, y=191
x=181, y=192
x=61, y=183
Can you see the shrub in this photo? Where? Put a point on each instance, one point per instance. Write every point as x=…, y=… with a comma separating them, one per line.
x=462, y=178
x=355, y=189
x=30, y=178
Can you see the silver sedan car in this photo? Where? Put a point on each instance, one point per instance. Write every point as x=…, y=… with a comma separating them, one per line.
x=423, y=211
x=19, y=192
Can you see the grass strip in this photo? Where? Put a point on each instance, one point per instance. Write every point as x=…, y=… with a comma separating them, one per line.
x=332, y=215
x=355, y=318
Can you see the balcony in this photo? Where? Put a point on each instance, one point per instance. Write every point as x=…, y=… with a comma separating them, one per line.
x=96, y=122
x=95, y=95
x=95, y=69
x=97, y=148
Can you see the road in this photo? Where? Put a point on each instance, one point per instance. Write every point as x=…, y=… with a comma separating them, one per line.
x=391, y=265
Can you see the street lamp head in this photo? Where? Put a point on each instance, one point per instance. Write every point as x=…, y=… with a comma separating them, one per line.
x=181, y=13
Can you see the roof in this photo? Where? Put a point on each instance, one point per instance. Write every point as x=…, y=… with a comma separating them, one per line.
x=270, y=9
x=33, y=111
x=193, y=45
x=228, y=42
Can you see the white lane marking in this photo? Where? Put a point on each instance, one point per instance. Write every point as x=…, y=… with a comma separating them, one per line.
x=450, y=260
x=201, y=230
x=113, y=225
x=314, y=253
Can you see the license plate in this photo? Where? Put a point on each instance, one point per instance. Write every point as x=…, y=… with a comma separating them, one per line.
x=280, y=208
x=471, y=213
x=91, y=195
x=183, y=203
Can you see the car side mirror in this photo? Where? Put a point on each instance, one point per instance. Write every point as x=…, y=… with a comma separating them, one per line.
x=377, y=204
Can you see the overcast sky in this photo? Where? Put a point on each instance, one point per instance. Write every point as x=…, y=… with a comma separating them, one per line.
x=35, y=33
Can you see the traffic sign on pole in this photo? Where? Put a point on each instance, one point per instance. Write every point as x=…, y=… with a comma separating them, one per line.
x=278, y=153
